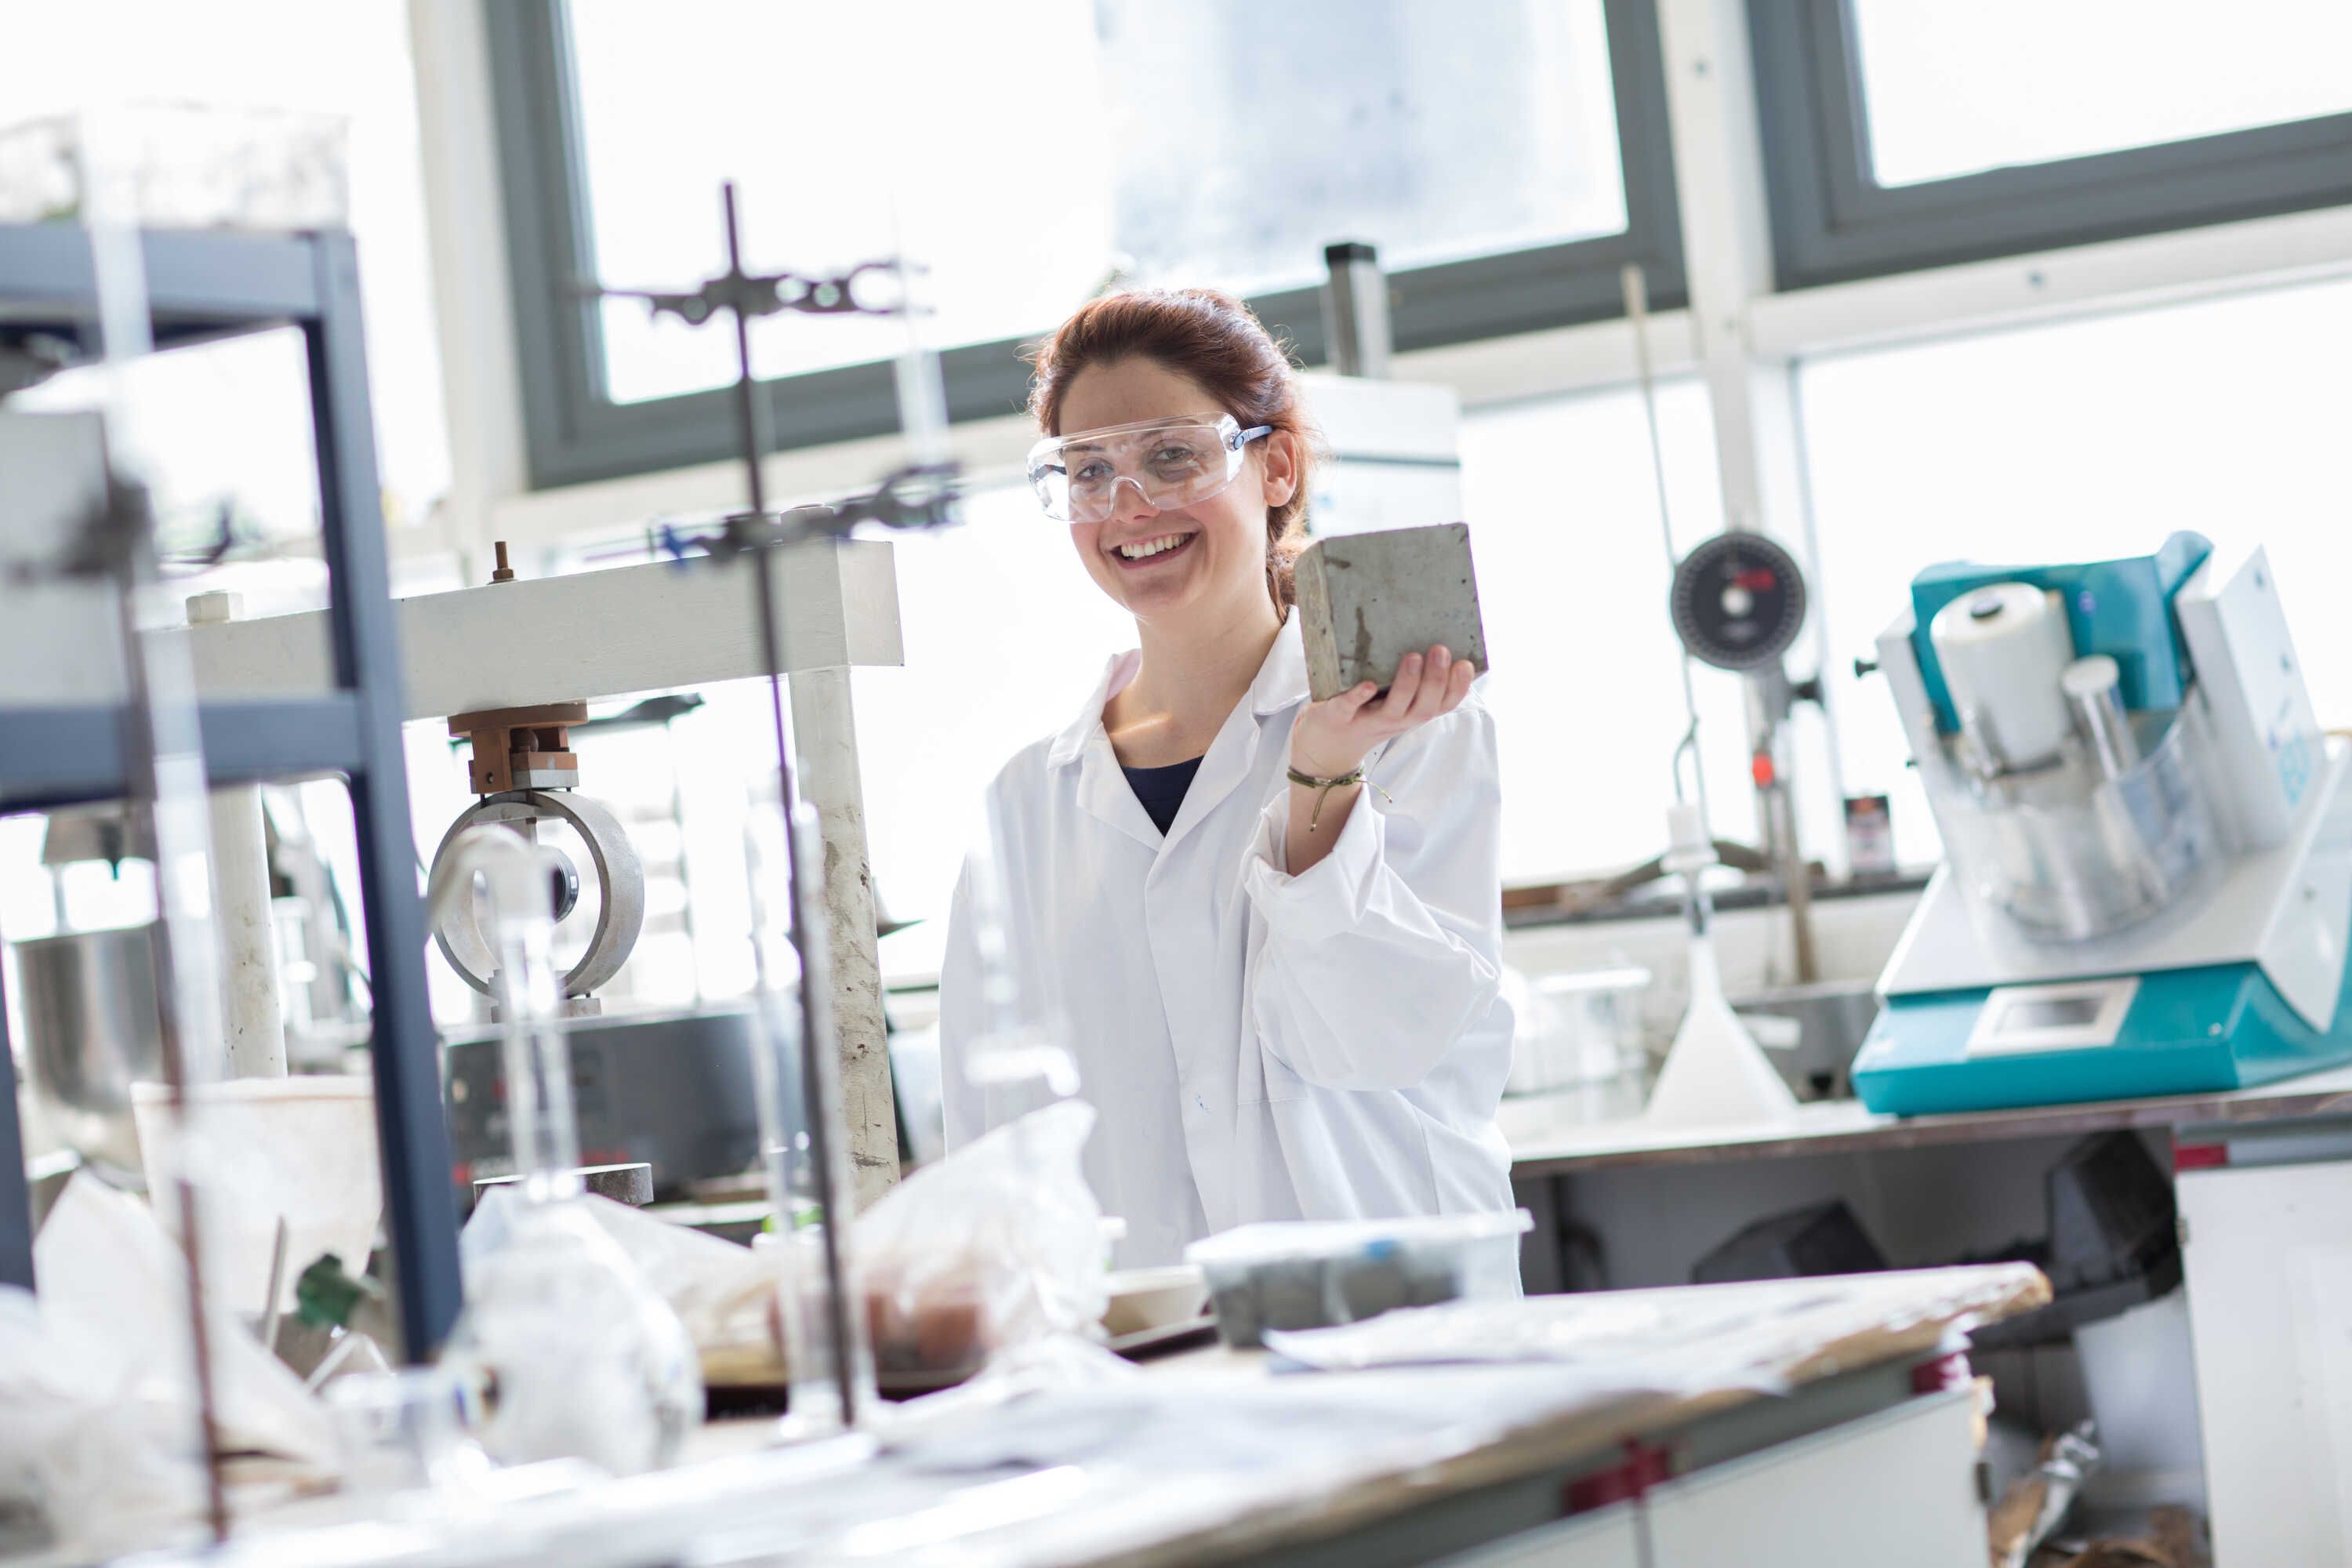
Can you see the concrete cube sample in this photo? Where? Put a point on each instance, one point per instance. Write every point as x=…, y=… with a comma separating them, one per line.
x=1366, y=599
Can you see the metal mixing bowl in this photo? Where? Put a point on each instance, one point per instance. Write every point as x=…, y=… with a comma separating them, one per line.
x=90, y=1032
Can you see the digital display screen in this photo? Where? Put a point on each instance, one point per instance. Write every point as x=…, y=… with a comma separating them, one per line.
x=2052, y=1013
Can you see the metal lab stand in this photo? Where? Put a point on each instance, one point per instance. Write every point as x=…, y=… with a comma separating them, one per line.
x=207, y=285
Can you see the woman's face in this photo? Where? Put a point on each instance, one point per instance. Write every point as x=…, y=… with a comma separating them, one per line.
x=1218, y=562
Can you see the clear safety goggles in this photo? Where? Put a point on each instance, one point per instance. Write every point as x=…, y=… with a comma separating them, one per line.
x=1170, y=462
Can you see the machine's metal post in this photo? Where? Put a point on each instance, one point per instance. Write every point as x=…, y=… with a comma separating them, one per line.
x=824, y=731
x=1769, y=697
x=256, y=1029
x=1356, y=311
x=420, y=1208
x=1796, y=885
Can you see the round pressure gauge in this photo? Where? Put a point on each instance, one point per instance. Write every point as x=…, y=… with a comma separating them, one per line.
x=1739, y=601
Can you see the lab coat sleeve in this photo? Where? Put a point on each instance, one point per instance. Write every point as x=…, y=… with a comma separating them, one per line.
x=1374, y=963
x=961, y=1013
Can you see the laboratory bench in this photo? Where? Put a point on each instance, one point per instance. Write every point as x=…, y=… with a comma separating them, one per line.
x=2262, y=1181
x=1781, y=1423
x=1548, y=1139
x=1658, y=1197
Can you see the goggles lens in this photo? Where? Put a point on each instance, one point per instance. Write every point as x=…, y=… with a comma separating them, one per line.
x=1170, y=462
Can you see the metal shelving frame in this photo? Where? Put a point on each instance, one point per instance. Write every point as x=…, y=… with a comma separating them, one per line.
x=209, y=285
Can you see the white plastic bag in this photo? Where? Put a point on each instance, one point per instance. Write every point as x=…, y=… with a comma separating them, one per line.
x=575, y=1352
x=97, y=1411
x=108, y=1465
x=994, y=1255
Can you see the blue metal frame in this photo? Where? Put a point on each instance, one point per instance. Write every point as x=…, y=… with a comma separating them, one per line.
x=15, y=1193
x=55, y=756
x=203, y=285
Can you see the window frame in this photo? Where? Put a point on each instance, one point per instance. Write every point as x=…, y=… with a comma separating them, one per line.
x=1833, y=223
x=575, y=434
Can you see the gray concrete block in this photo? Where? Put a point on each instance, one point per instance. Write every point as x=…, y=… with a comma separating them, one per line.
x=1366, y=599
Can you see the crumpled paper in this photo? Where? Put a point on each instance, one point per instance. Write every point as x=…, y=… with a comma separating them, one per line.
x=97, y=1405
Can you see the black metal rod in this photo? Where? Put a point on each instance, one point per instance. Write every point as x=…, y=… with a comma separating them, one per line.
x=806, y=930
x=747, y=389
x=143, y=744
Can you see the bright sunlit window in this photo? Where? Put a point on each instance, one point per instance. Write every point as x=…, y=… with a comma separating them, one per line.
x=1572, y=577
x=1005, y=635
x=1957, y=90
x=1088, y=138
x=2081, y=441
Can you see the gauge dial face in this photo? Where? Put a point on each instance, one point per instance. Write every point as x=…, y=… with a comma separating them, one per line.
x=1739, y=601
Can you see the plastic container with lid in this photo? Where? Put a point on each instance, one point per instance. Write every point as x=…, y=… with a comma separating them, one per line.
x=1584, y=1027
x=1318, y=1274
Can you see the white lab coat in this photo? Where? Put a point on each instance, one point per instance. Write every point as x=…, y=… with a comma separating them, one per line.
x=1259, y=1046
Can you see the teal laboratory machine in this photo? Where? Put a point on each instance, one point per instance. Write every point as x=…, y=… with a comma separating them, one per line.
x=2147, y=877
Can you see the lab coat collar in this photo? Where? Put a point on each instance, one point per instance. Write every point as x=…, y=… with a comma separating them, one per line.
x=1281, y=682
x=1071, y=744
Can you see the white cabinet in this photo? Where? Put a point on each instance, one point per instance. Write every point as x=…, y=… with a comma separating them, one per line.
x=2268, y=1250
x=1896, y=1487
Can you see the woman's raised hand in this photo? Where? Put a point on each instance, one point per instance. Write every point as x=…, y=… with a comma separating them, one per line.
x=1331, y=738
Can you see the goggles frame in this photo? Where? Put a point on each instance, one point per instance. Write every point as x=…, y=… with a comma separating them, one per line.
x=1044, y=460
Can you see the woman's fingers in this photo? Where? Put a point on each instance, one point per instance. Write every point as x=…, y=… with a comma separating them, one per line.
x=1427, y=686
x=1404, y=688
x=1458, y=687
x=1437, y=680
x=1351, y=701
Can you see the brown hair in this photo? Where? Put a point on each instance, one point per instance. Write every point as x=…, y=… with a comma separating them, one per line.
x=1216, y=340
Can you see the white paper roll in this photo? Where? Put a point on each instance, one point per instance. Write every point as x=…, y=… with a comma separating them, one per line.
x=2004, y=650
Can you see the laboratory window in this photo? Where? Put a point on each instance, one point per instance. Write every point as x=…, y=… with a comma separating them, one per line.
x=1898, y=135
x=1096, y=144
x=1959, y=90
x=1094, y=139
x=1005, y=636
x=1586, y=689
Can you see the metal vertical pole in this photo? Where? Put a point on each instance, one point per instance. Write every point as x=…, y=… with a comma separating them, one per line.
x=1356, y=311
x=1727, y=243
x=249, y=942
x=808, y=941
x=420, y=1208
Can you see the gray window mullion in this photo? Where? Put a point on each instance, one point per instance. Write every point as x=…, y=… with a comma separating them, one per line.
x=1833, y=222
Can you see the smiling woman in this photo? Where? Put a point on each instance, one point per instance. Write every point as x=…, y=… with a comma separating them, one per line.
x=1281, y=993
x=1127, y=364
